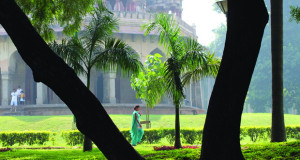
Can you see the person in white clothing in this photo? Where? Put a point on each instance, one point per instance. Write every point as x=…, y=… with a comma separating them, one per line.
x=14, y=100
x=19, y=90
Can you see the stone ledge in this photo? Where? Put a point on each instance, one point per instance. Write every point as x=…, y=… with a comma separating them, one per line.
x=62, y=109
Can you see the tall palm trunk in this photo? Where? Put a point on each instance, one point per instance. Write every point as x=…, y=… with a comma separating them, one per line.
x=177, y=128
x=278, y=128
x=221, y=134
x=87, y=143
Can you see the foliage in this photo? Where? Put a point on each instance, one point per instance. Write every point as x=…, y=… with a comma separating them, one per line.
x=46, y=14
x=73, y=137
x=95, y=48
x=169, y=133
x=184, y=55
x=148, y=83
x=255, y=132
x=25, y=137
x=285, y=150
x=126, y=134
x=192, y=135
x=152, y=135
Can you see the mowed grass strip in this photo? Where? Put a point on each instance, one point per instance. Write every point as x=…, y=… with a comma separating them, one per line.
x=63, y=123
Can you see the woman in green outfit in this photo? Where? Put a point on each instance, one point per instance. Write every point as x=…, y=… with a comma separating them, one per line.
x=136, y=127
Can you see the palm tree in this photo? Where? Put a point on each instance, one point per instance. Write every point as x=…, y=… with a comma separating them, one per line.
x=278, y=128
x=184, y=54
x=95, y=49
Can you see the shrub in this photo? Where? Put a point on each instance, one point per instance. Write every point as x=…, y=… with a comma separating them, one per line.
x=73, y=137
x=29, y=137
x=256, y=133
x=126, y=134
x=190, y=135
x=169, y=134
x=152, y=135
x=293, y=132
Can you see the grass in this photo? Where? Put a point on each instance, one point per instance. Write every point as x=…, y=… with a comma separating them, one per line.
x=287, y=150
x=261, y=150
x=62, y=123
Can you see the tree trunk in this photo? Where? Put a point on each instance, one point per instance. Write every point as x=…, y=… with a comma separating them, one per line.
x=47, y=67
x=87, y=143
x=177, y=128
x=278, y=127
x=147, y=116
x=221, y=135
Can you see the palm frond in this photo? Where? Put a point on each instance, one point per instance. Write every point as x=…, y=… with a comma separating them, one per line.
x=209, y=69
x=101, y=26
x=117, y=55
x=169, y=32
x=194, y=55
x=72, y=53
x=174, y=87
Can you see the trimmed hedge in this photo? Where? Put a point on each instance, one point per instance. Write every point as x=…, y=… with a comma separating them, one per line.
x=26, y=137
x=73, y=137
x=188, y=135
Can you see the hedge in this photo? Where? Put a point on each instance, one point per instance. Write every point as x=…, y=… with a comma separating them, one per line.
x=188, y=135
x=26, y=137
x=73, y=137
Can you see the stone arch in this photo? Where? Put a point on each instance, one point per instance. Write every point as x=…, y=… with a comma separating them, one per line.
x=157, y=50
x=21, y=75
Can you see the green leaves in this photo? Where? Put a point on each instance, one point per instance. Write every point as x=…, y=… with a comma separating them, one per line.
x=95, y=48
x=186, y=60
x=149, y=83
x=47, y=13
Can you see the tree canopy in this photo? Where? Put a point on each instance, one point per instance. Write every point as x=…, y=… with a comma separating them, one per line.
x=46, y=14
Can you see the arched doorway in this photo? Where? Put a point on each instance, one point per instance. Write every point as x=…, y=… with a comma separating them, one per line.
x=22, y=76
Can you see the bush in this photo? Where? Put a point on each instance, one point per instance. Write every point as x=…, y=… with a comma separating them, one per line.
x=293, y=132
x=169, y=134
x=126, y=134
x=190, y=135
x=26, y=137
x=73, y=137
x=152, y=135
x=256, y=133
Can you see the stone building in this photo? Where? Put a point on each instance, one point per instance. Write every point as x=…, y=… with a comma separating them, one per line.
x=112, y=89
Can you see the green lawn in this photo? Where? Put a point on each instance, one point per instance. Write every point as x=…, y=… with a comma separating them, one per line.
x=62, y=123
x=289, y=150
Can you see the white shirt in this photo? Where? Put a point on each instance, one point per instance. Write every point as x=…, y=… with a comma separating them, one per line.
x=14, y=96
x=19, y=90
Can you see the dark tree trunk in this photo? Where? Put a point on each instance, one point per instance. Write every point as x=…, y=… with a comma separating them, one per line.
x=87, y=143
x=47, y=67
x=221, y=135
x=177, y=128
x=278, y=127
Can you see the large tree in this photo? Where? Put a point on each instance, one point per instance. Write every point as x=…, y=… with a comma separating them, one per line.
x=47, y=67
x=278, y=128
x=45, y=14
x=96, y=49
x=183, y=55
x=245, y=29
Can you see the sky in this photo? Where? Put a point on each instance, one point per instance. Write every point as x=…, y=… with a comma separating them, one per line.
x=202, y=14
